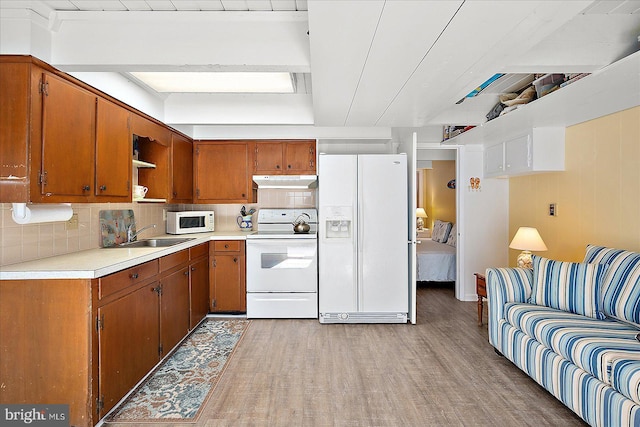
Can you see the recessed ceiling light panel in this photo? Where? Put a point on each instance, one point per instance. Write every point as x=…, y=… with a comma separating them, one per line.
x=217, y=82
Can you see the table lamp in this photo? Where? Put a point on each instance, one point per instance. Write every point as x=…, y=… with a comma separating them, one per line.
x=527, y=239
x=420, y=213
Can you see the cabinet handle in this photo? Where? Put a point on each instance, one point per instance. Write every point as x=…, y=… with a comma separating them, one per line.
x=186, y=273
x=103, y=188
x=86, y=187
x=133, y=276
x=226, y=246
x=277, y=166
x=244, y=195
x=193, y=269
x=235, y=260
x=289, y=166
x=175, y=194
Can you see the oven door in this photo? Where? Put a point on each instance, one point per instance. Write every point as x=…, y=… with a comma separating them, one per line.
x=282, y=265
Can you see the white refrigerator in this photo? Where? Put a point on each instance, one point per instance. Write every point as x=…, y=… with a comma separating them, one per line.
x=363, y=242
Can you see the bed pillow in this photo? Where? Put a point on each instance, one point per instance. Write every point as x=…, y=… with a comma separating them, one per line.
x=440, y=232
x=568, y=286
x=453, y=236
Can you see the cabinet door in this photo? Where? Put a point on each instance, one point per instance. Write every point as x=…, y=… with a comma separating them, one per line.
x=199, y=290
x=68, y=139
x=174, y=309
x=268, y=158
x=494, y=160
x=127, y=343
x=300, y=158
x=221, y=172
x=517, y=155
x=228, y=284
x=14, y=131
x=181, y=169
x=113, y=151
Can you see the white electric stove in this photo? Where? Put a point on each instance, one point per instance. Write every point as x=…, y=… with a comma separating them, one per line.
x=282, y=266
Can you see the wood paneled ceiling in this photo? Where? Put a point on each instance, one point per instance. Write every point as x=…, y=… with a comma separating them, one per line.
x=373, y=63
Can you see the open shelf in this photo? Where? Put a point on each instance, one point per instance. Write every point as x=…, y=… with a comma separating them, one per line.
x=141, y=164
x=613, y=88
x=150, y=200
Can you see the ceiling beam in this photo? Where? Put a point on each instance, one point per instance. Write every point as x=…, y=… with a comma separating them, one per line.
x=187, y=41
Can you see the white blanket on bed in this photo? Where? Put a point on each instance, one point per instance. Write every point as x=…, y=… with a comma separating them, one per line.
x=436, y=261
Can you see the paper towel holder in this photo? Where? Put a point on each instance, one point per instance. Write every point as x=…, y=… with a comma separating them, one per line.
x=33, y=214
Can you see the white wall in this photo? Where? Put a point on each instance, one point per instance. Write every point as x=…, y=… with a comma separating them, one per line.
x=123, y=89
x=23, y=32
x=483, y=219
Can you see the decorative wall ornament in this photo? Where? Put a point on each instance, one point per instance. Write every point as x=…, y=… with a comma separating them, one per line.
x=474, y=184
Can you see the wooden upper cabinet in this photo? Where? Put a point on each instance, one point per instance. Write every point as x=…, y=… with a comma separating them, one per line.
x=113, y=152
x=151, y=130
x=62, y=140
x=300, y=157
x=15, y=89
x=68, y=126
x=181, y=169
x=222, y=173
x=268, y=158
x=154, y=146
x=285, y=157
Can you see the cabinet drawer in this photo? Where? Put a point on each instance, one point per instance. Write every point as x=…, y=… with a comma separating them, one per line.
x=170, y=261
x=227, y=245
x=117, y=281
x=198, y=251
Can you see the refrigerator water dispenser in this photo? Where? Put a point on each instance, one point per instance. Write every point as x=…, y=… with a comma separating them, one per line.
x=340, y=228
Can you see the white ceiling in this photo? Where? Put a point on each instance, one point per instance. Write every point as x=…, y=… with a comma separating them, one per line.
x=373, y=63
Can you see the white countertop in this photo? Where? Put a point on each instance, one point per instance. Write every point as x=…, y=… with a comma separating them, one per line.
x=94, y=263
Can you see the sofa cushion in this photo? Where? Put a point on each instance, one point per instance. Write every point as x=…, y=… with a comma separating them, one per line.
x=625, y=377
x=591, y=344
x=568, y=286
x=621, y=282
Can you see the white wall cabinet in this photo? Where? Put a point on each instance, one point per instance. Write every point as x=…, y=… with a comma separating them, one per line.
x=538, y=150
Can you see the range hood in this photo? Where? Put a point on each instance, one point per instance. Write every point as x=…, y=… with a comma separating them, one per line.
x=285, y=181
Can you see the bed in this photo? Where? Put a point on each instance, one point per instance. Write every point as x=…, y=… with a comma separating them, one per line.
x=436, y=260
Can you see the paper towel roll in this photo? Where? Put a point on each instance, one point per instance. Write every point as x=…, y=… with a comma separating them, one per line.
x=34, y=214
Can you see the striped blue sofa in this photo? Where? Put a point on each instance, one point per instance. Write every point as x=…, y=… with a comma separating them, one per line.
x=573, y=328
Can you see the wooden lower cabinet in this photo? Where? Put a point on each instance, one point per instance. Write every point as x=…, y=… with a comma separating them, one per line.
x=87, y=342
x=227, y=278
x=127, y=343
x=198, y=290
x=46, y=351
x=174, y=308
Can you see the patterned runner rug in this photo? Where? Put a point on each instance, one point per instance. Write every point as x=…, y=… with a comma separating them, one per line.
x=180, y=386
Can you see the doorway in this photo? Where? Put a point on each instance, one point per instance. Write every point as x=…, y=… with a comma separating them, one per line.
x=437, y=198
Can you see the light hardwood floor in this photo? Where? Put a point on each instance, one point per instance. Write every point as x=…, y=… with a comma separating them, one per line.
x=440, y=372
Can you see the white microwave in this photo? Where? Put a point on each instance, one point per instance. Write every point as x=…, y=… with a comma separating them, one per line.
x=185, y=222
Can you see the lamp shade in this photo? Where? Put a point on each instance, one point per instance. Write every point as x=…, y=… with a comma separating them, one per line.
x=420, y=213
x=528, y=239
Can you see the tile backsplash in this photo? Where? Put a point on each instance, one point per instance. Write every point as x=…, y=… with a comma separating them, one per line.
x=34, y=241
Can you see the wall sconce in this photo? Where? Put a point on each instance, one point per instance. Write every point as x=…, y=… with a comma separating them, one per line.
x=527, y=239
x=420, y=213
x=474, y=184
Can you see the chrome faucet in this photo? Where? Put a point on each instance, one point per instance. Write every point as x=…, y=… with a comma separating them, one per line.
x=131, y=237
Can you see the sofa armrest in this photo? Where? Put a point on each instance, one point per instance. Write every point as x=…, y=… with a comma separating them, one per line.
x=505, y=285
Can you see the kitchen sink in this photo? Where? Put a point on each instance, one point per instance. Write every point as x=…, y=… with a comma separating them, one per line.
x=152, y=243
